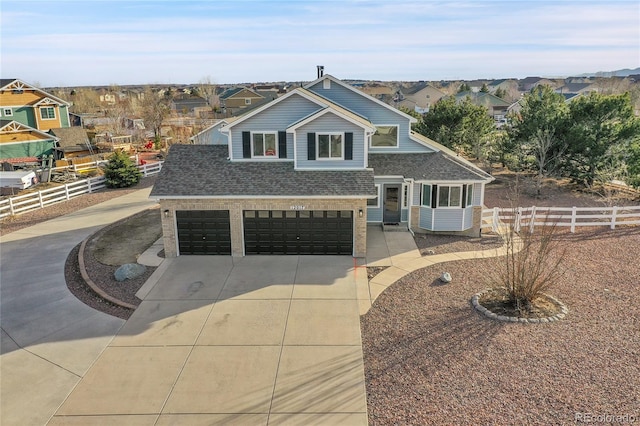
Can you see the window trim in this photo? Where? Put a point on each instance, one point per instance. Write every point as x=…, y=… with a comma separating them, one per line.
x=405, y=196
x=371, y=145
x=469, y=201
x=422, y=203
x=42, y=109
x=449, y=206
x=330, y=158
x=264, y=133
x=377, y=205
x=7, y=112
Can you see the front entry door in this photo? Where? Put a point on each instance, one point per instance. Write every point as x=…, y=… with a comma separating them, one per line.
x=391, y=204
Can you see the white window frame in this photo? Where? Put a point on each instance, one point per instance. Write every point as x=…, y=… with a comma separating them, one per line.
x=275, y=135
x=42, y=109
x=247, y=101
x=377, y=206
x=422, y=195
x=330, y=158
x=371, y=145
x=469, y=200
x=7, y=112
x=449, y=206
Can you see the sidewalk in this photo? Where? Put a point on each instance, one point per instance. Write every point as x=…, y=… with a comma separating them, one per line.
x=49, y=339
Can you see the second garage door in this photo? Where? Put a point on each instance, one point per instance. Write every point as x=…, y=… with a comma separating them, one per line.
x=298, y=232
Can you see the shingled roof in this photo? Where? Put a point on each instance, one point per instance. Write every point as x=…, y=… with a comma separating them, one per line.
x=204, y=171
x=432, y=166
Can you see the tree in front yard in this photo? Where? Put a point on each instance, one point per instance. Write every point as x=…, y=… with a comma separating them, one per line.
x=121, y=172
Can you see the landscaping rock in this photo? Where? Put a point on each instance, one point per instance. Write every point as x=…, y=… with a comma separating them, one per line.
x=445, y=277
x=129, y=271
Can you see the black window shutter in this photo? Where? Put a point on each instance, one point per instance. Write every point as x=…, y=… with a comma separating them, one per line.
x=348, y=146
x=246, y=144
x=434, y=196
x=311, y=146
x=464, y=196
x=282, y=144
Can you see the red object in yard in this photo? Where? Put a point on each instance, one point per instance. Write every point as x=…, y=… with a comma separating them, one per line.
x=143, y=162
x=149, y=145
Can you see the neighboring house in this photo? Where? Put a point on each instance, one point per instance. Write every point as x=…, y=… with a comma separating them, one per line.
x=496, y=107
x=72, y=142
x=23, y=145
x=577, y=88
x=307, y=172
x=212, y=134
x=526, y=84
x=31, y=106
x=239, y=98
x=192, y=107
x=419, y=98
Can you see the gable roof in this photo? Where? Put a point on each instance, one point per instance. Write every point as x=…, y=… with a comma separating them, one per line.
x=70, y=136
x=217, y=177
x=14, y=83
x=235, y=90
x=12, y=126
x=482, y=98
x=360, y=93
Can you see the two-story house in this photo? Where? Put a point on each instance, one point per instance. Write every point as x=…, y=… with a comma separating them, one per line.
x=307, y=172
x=26, y=114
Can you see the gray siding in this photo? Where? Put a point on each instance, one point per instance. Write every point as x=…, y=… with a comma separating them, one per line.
x=447, y=220
x=468, y=218
x=376, y=113
x=374, y=214
x=213, y=136
x=404, y=214
x=326, y=124
x=426, y=214
x=417, y=194
x=275, y=118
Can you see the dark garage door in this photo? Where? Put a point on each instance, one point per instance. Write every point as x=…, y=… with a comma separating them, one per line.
x=203, y=231
x=298, y=232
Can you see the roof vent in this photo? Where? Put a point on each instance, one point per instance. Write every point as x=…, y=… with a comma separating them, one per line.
x=320, y=70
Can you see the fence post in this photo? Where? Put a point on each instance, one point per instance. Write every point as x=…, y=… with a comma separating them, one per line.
x=66, y=191
x=516, y=224
x=573, y=219
x=11, y=206
x=614, y=213
x=89, y=185
x=532, y=220
x=496, y=219
x=40, y=199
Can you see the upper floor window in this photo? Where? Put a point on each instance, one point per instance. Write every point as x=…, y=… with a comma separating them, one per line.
x=7, y=112
x=385, y=137
x=47, y=113
x=247, y=101
x=330, y=146
x=264, y=144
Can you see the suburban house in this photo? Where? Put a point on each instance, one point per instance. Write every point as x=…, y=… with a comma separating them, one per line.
x=22, y=145
x=238, y=99
x=27, y=113
x=419, y=98
x=307, y=173
x=496, y=107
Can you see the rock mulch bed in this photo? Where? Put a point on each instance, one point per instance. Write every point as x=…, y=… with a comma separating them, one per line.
x=429, y=244
x=430, y=358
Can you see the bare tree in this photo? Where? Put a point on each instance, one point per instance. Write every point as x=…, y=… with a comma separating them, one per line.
x=207, y=90
x=542, y=148
x=155, y=109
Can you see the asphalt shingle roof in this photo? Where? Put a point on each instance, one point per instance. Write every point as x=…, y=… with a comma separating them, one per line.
x=204, y=171
x=433, y=166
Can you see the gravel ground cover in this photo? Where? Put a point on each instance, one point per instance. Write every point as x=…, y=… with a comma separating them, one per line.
x=440, y=244
x=430, y=358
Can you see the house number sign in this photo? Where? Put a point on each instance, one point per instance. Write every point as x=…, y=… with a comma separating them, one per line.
x=296, y=208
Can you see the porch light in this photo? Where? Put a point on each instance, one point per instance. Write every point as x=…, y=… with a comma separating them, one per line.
x=360, y=213
x=166, y=213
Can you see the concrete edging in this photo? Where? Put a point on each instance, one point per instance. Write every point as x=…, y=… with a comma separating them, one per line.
x=504, y=318
x=94, y=286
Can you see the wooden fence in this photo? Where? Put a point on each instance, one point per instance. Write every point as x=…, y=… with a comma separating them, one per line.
x=572, y=217
x=37, y=200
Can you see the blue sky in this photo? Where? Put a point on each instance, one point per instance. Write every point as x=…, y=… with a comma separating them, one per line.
x=73, y=43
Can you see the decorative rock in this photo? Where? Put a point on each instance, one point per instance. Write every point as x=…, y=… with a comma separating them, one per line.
x=445, y=277
x=430, y=252
x=129, y=271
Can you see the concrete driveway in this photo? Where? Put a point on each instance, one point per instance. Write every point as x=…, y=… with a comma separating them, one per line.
x=217, y=340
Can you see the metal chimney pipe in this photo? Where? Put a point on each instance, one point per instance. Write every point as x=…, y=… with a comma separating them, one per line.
x=320, y=70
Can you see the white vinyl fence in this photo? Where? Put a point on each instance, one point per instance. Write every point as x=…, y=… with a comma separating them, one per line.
x=560, y=216
x=37, y=200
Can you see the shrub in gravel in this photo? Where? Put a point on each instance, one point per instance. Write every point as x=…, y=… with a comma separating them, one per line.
x=533, y=264
x=120, y=172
